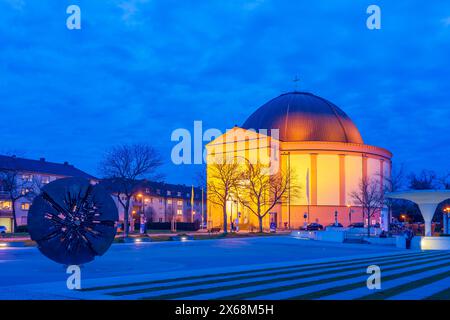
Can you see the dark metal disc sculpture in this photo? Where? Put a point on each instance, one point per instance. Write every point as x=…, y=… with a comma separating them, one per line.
x=73, y=221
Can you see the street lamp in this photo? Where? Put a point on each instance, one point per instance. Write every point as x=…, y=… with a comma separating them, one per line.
x=446, y=218
x=403, y=216
x=349, y=206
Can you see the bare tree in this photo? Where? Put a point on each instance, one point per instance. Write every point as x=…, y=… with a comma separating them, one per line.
x=423, y=181
x=224, y=176
x=260, y=190
x=125, y=165
x=16, y=187
x=445, y=181
x=370, y=197
x=392, y=183
x=201, y=182
x=149, y=214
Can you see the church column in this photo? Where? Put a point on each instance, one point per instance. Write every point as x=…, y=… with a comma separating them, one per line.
x=342, y=191
x=382, y=176
x=364, y=167
x=313, y=201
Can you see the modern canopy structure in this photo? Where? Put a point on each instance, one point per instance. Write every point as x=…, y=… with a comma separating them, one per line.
x=427, y=200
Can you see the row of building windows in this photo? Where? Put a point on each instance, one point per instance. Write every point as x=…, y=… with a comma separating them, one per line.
x=169, y=201
x=168, y=192
x=6, y=205
x=29, y=178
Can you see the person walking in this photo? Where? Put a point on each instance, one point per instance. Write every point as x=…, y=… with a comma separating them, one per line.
x=409, y=235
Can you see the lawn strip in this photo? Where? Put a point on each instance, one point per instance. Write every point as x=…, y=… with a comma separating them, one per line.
x=277, y=289
x=150, y=282
x=442, y=295
x=243, y=277
x=384, y=294
x=339, y=289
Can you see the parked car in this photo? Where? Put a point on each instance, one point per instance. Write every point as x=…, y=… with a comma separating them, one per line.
x=333, y=225
x=356, y=225
x=313, y=227
x=3, y=229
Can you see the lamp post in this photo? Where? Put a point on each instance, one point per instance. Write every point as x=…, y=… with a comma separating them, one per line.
x=305, y=216
x=231, y=215
x=446, y=219
x=349, y=213
x=288, y=154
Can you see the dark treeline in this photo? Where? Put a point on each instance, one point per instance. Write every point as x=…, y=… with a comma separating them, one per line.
x=423, y=180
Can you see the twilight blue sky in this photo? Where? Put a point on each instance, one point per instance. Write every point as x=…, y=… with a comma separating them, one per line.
x=139, y=69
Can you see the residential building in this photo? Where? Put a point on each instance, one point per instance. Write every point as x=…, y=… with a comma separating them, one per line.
x=161, y=202
x=30, y=175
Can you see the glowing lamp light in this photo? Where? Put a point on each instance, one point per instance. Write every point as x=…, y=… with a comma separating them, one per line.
x=183, y=239
x=3, y=245
x=138, y=240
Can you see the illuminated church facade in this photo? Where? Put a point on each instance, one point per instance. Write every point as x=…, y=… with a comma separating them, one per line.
x=323, y=148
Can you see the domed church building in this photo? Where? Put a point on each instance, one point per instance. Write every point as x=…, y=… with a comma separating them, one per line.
x=320, y=144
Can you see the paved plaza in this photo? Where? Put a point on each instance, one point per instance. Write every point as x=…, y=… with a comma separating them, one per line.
x=280, y=267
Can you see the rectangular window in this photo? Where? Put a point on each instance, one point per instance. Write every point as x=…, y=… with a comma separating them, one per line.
x=180, y=202
x=169, y=201
x=25, y=206
x=169, y=193
x=180, y=212
x=24, y=220
x=25, y=191
x=179, y=194
x=45, y=180
x=27, y=177
x=5, y=205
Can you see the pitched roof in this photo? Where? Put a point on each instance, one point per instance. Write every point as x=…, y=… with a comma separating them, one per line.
x=153, y=187
x=41, y=166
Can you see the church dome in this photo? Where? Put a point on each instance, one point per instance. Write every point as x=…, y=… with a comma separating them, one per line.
x=302, y=116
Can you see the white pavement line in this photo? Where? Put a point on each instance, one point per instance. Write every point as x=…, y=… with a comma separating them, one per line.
x=88, y=283
x=385, y=285
x=59, y=289
x=329, y=285
x=243, y=290
x=251, y=278
x=423, y=292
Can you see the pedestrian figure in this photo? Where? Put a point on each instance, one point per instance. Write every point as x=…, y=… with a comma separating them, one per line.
x=409, y=235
